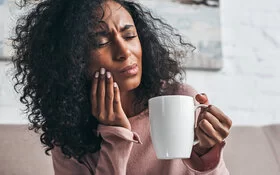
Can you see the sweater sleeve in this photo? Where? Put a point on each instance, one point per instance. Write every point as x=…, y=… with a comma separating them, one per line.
x=115, y=149
x=66, y=166
x=211, y=163
x=111, y=159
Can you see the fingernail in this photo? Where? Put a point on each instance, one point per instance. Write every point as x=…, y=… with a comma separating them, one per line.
x=108, y=74
x=115, y=84
x=102, y=71
x=96, y=74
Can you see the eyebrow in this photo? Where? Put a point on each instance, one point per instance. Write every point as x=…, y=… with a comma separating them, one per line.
x=101, y=33
x=105, y=33
x=126, y=27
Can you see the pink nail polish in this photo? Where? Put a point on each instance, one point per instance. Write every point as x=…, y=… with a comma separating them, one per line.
x=96, y=74
x=115, y=84
x=102, y=71
x=108, y=74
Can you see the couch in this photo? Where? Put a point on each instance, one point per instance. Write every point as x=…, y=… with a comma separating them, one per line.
x=248, y=151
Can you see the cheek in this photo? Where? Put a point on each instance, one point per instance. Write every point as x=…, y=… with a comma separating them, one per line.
x=138, y=50
x=97, y=61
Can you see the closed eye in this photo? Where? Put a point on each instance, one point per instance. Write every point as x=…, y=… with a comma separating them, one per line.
x=130, y=37
x=103, y=41
x=103, y=44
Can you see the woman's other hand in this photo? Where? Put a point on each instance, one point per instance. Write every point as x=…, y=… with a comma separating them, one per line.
x=105, y=101
x=212, y=125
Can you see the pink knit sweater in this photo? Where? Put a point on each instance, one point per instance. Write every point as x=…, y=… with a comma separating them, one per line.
x=131, y=152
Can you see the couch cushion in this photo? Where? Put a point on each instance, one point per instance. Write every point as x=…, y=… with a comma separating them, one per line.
x=21, y=152
x=253, y=150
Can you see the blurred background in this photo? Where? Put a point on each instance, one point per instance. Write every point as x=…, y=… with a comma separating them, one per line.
x=247, y=84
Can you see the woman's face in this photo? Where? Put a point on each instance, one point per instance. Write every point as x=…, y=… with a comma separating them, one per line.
x=119, y=49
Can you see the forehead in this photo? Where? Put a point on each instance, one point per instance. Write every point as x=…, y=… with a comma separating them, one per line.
x=115, y=15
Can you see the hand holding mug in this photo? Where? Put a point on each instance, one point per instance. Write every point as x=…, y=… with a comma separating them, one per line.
x=212, y=126
x=106, y=102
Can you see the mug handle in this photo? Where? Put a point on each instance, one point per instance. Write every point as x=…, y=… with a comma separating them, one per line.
x=195, y=108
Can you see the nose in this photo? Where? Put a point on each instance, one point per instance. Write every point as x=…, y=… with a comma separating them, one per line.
x=122, y=51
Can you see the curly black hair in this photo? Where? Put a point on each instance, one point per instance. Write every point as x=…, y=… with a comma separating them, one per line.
x=52, y=45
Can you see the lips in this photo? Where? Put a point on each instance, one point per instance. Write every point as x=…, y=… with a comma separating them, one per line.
x=127, y=68
x=130, y=71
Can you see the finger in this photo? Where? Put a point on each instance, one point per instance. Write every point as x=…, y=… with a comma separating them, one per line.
x=204, y=140
x=93, y=95
x=208, y=129
x=202, y=98
x=117, y=100
x=201, y=115
x=101, y=95
x=220, y=115
x=216, y=124
x=109, y=97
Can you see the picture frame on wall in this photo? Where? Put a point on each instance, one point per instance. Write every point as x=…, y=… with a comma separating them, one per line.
x=198, y=21
x=9, y=13
x=3, y=14
x=6, y=25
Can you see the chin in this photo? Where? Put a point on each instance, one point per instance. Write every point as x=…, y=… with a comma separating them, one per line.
x=130, y=85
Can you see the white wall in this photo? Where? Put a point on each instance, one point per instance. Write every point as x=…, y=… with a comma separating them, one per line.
x=248, y=87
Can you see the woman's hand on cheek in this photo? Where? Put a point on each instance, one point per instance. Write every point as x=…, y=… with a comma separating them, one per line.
x=212, y=126
x=106, y=102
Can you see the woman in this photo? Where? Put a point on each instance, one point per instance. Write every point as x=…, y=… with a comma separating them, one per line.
x=87, y=69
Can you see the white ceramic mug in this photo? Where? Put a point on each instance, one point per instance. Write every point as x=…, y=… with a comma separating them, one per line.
x=172, y=120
